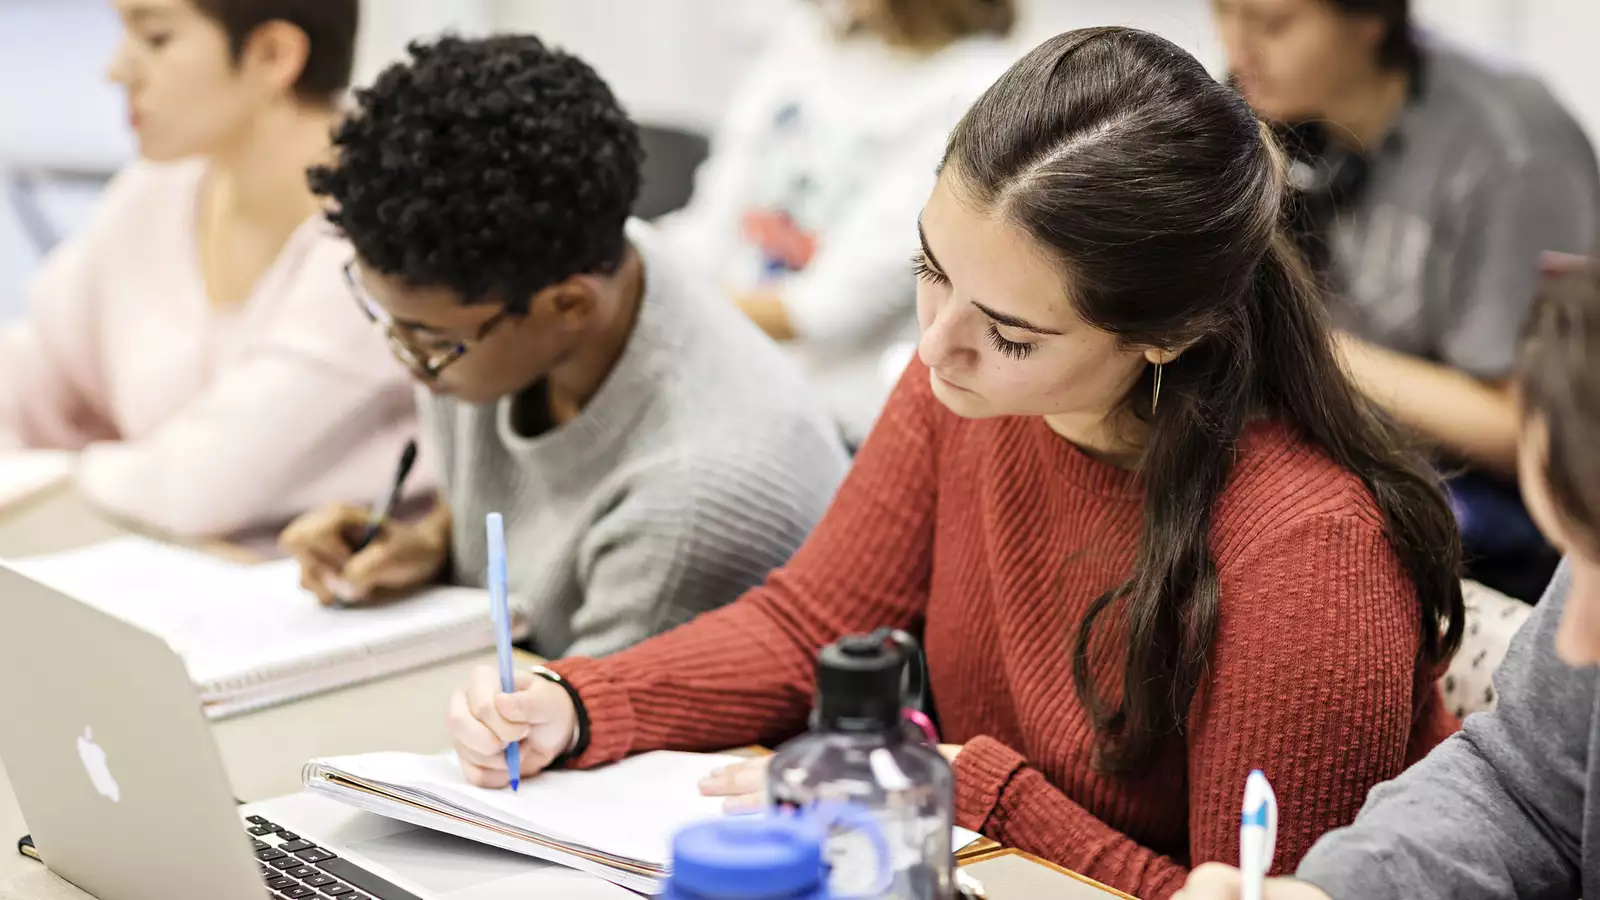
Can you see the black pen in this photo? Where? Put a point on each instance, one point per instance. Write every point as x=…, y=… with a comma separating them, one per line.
x=385, y=507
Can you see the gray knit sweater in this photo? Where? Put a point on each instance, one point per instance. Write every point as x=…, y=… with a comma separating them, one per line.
x=1509, y=807
x=701, y=463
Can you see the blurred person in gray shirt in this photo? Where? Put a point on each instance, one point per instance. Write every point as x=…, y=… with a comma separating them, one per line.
x=1432, y=181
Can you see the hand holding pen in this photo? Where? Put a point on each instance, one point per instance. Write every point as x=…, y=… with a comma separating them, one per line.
x=1258, y=838
x=344, y=590
x=384, y=508
x=1258, y=834
x=349, y=554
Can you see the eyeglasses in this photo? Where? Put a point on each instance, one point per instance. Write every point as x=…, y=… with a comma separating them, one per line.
x=424, y=363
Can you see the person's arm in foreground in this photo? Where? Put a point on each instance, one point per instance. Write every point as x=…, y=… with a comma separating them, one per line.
x=745, y=673
x=1321, y=603
x=1493, y=812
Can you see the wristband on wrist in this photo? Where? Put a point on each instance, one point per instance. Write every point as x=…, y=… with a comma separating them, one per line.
x=580, y=734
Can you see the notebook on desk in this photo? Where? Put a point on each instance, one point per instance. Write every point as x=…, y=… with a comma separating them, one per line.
x=248, y=635
x=615, y=822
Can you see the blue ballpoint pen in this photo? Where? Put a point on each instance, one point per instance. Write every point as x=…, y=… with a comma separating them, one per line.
x=500, y=611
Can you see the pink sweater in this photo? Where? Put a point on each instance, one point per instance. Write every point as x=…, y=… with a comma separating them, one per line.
x=191, y=419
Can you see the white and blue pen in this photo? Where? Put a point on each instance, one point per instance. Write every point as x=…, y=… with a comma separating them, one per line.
x=1258, y=834
x=500, y=612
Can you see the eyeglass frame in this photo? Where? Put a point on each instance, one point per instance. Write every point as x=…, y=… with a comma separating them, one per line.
x=427, y=368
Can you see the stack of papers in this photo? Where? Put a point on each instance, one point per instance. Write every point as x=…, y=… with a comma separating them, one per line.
x=249, y=636
x=616, y=822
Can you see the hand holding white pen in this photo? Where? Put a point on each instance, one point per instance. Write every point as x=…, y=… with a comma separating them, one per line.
x=1215, y=881
x=1258, y=839
x=1258, y=834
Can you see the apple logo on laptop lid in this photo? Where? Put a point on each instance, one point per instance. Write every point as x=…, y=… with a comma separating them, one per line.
x=94, y=762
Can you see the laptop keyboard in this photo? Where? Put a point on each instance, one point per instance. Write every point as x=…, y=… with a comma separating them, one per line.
x=294, y=868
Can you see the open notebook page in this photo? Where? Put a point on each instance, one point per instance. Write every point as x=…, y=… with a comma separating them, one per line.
x=231, y=621
x=628, y=809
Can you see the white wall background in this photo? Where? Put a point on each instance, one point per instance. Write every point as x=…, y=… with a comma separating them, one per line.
x=675, y=61
x=671, y=61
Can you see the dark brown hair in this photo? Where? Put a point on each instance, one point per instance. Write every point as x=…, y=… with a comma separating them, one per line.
x=330, y=27
x=1558, y=374
x=932, y=24
x=1163, y=198
x=1399, y=47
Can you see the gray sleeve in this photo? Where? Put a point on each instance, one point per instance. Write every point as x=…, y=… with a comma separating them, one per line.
x=1493, y=812
x=1516, y=211
x=692, y=535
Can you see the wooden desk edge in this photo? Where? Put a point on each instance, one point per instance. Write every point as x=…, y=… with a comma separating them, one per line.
x=1012, y=851
x=981, y=848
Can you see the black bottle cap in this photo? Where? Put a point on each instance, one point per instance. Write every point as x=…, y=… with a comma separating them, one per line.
x=859, y=684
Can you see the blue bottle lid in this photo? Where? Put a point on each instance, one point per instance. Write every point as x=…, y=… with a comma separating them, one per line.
x=771, y=857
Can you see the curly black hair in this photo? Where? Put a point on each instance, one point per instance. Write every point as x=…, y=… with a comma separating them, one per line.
x=491, y=167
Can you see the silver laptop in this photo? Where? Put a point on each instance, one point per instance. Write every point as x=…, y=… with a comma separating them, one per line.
x=116, y=772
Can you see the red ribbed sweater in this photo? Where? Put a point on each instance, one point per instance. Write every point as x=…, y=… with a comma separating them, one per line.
x=991, y=538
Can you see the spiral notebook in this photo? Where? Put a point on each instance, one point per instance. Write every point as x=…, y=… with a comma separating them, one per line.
x=249, y=636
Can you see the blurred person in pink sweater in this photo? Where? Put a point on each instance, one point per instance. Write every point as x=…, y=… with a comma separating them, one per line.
x=195, y=342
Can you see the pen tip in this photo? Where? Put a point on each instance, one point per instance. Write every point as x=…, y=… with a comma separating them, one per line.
x=515, y=783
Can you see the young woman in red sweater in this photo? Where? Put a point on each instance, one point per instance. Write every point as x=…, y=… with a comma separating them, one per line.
x=1148, y=532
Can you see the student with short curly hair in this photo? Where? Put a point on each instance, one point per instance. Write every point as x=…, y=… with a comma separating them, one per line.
x=192, y=343
x=653, y=453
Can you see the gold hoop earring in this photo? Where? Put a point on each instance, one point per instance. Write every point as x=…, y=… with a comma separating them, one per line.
x=1155, y=395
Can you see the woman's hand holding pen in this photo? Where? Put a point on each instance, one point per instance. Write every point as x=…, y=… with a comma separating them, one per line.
x=401, y=556
x=483, y=719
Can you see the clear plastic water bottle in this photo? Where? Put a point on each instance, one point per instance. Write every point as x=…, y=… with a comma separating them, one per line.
x=860, y=752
